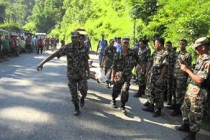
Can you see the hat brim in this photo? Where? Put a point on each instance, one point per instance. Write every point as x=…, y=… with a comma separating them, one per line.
x=196, y=45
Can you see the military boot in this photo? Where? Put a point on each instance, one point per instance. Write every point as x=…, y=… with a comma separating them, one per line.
x=190, y=136
x=184, y=127
x=82, y=102
x=122, y=108
x=76, y=111
x=146, y=104
x=113, y=103
x=157, y=113
x=149, y=108
x=176, y=111
x=140, y=92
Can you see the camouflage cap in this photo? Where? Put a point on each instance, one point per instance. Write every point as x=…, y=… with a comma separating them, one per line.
x=200, y=41
x=75, y=34
x=126, y=40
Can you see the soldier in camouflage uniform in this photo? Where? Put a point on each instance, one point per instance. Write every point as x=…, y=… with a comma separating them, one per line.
x=170, y=73
x=108, y=59
x=159, y=66
x=124, y=62
x=195, y=97
x=77, y=69
x=180, y=77
x=143, y=57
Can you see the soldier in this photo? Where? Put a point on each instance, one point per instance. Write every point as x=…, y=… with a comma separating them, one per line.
x=143, y=57
x=194, y=100
x=170, y=73
x=124, y=61
x=77, y=69
x=180, y=77
x=159, y=64
x=108, y=59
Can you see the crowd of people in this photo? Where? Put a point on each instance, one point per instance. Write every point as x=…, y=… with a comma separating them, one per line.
x=13, y=45
x=166, y=69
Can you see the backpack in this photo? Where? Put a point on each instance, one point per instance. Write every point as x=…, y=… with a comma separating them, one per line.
x=40, y=43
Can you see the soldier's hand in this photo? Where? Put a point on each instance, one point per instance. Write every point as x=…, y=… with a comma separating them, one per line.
x=159, y=82
x=39, y=68
x=183, y=67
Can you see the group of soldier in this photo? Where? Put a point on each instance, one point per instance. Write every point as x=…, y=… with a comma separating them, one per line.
x=164, y=68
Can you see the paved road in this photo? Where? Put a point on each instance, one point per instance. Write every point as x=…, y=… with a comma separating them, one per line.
x=37, y=106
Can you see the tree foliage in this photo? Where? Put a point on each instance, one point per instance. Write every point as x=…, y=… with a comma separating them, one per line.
x=170, y=19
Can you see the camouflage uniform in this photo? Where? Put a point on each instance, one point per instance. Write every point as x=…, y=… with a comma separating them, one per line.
x=156, y=95
x=170, y=76
x=123, y=65
x=195, y=98
x=180, y=77
x=77, y=58
x=109, y=54
x=143, y=57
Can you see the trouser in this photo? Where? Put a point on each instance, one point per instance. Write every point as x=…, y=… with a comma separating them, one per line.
x=181, y=85
x=108, y=72
x=156, y=95
x=100, y=57
x=39, y=48
x=193, y=108
x=122, y=87
x=74, y=86
x=171, y=97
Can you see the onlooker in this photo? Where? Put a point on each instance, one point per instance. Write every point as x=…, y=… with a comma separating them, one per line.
x=12, y=46
x=118, y=44
x=28, y=44
x=1, y=49
x=40, y=45
x=102, y=44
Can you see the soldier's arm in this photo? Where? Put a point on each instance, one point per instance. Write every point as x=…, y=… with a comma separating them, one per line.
x=194, y=77
x=88, y=69
x=148, y=67
x=50, y=57
x=163, y=72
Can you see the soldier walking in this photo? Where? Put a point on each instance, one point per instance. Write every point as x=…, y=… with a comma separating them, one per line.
x=180, y=77
x=195, y=97
x=77, y=69
x=143, y=57
x=124, y=61
x=159, y=64
x=108, y=59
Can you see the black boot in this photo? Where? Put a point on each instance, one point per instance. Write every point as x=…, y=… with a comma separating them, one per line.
x=157, y=113
x=172, y=106
x=149, y=108
x=184, y=127
x=176, y=111
x=140, y=92
x=190, y=136
x=76, y=111
x=146, y=104
x=82, y=102
x=122, y=108
x=113, y=103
